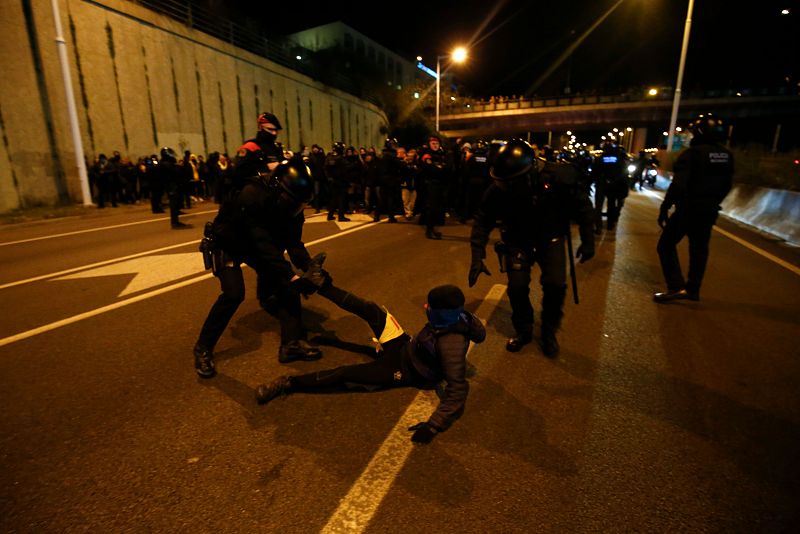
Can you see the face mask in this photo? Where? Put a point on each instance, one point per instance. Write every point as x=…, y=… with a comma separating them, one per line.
x=443, y=318
x=264, y=137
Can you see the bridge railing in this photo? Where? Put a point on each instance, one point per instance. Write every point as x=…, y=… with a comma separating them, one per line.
x=638, y=95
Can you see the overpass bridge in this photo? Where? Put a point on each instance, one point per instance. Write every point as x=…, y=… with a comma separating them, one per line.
x=513, y=116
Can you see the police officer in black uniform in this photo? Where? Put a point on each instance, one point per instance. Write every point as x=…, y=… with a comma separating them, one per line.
x=390, y=175
x=476, y=178
x=435, y=174
x=338, y=181
x=533, y=210
x=610, y=170
x=259, y=219
x=170, y=175
x=703, y=176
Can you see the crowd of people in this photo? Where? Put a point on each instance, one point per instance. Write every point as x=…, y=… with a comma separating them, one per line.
x=532, y=197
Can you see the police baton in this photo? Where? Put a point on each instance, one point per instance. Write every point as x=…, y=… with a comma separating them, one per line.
x=572, y=267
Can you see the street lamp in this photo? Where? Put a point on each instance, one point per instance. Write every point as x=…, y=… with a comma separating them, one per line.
x=458, y=55
x=677, y=98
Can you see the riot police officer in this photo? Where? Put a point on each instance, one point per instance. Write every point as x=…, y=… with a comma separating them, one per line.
x=338, y=182
x=533, y=210
x=611, y=184
x=390, y=175
x=702, y=178
x=169, y=174
x=476, y=178
x=260, y=218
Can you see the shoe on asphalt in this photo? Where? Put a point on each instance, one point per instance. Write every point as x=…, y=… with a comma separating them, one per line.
x=343, y=219
x=298, y=350
x=331, y=218
x=204, y=362
x=180, y=226
x=550, y=345
x=515, y=344
x=267, y=392
x=391, y=220
x=611, y=225
x=433, y=234
x=598, y=230
x=681, y=294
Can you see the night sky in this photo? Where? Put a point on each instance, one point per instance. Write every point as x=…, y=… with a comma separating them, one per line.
x=519, y=47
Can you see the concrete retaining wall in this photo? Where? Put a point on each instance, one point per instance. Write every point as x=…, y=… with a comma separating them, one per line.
x=142, y=81
x=774, y=211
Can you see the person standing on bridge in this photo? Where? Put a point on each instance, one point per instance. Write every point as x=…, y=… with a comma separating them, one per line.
x=703, y=176
x=260, y=218
x=438, y=352
x=534, y=210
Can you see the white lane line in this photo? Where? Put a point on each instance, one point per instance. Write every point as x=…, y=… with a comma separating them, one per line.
x=754, y=248
x=138, y=254
x=98, y=264
x=53, y=236
x=782, y=263
x=358, y=507
x=98, y=311
x=81, y=316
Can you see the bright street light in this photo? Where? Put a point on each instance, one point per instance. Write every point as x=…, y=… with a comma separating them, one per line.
x=459, y=55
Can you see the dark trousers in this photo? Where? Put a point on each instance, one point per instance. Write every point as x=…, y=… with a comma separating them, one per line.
x=281, y=302
x=231, y=282
x=614, y=203
x=339, y=201
x=175, y=201
x=385, y=371
x=434, y=204
x=551, y=257
x=697, y=226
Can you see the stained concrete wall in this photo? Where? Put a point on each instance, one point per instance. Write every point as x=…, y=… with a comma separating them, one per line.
x=142, y=81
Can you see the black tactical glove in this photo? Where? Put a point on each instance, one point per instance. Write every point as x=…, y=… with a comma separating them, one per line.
x=475, y=269
x=585, y=252
x=423, y=432
x=663, y=215
x=304, y=286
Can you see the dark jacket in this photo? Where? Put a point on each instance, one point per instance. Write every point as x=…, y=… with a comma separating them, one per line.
x=536, y=209
x=703, y=177
x=436, y=355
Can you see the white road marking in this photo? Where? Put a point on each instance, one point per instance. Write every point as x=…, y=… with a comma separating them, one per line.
x=98, y=264
x=744, y=243
x=356, y=219
x=150, y=271
x=143, y=296
x=356, y=509
x=757, y=250
x=53, y=236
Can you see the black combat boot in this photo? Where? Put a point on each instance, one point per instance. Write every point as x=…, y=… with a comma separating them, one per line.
x=430, y=233
x=550, y=346
x=519, y=340
x=204, y=361
x=280, y=386
x=299, y=349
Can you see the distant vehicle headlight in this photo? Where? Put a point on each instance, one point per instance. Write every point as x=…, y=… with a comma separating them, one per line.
x=631, y=168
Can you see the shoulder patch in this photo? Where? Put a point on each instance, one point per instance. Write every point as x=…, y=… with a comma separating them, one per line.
x=242, y=152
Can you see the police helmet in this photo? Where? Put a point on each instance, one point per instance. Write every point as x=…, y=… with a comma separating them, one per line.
x=390, y=144
x=167, y=154
x=265, y=118
x=338, y=148
x=513, y=159
x=293, y=177
x=708, y=127
x=481, y=145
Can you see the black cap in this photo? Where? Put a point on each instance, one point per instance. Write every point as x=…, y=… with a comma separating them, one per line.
x=269, y=117
x=446, y=297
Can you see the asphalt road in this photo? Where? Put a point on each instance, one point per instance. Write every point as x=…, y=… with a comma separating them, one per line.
x=654, y=418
